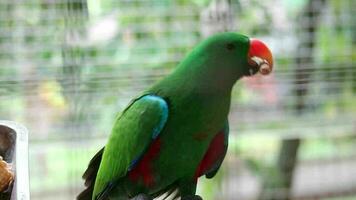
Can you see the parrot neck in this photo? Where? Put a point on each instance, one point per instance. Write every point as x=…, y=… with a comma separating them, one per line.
x=197, y=83
x=208, y=80
x=203, y=74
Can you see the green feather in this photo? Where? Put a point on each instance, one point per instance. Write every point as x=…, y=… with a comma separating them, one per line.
x=198, y=94
x=134, y=128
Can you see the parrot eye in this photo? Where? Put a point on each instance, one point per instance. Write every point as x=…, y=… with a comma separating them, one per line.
x=230, y=46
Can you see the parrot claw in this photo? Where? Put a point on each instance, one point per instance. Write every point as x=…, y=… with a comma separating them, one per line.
x=142, y=197
x=192, y=197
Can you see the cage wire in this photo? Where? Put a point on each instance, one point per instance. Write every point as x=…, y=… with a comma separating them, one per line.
x=67, y=67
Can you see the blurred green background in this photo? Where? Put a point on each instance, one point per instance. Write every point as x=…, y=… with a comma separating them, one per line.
x=67, y=67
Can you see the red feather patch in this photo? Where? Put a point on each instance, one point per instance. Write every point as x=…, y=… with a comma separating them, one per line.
x=144, y=167
x=214, y=152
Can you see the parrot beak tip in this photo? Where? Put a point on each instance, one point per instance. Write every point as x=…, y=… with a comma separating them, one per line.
x=265, y=69
x=260, y=57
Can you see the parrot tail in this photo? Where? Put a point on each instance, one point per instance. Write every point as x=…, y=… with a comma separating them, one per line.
x=90, y=175
x=86, y=194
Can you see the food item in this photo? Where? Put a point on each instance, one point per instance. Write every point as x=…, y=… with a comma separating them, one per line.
x=6, y=175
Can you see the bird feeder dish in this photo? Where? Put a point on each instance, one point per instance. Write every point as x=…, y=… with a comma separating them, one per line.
x=14, y=151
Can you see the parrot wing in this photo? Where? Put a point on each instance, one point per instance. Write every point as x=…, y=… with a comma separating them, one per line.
x=133, y=132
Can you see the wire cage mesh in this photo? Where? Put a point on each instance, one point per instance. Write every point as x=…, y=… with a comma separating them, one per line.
x=67, y=67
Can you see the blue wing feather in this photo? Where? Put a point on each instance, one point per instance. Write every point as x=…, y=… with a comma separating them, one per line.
x=164, y=107
x=157, y=130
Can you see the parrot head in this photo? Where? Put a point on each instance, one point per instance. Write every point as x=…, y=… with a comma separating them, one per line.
x=257, y=58
x=220, y=60
x=234, y=55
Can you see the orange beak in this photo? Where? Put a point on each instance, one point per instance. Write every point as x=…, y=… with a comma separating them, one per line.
x=260, y=57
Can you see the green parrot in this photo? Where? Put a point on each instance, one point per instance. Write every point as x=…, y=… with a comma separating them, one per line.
x=176, y=130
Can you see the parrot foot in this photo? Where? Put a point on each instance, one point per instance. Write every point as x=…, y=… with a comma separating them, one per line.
x=142, y=197
x=192, y=197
